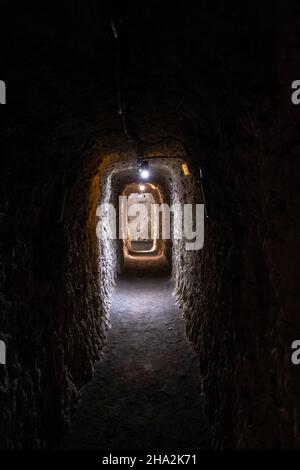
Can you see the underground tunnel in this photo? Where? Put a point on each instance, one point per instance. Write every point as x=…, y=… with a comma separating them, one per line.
x=149, y=370
x=138, y=341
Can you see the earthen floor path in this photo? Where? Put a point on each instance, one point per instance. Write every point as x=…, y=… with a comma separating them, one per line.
x=145, y=393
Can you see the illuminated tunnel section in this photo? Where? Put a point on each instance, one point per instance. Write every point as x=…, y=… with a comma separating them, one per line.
x=146, y=391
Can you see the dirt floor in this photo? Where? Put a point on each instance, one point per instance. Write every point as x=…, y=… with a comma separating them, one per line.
x=145, y=393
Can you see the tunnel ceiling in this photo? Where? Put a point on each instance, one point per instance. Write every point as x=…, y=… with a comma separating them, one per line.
x=169, y=91
x=162, y=171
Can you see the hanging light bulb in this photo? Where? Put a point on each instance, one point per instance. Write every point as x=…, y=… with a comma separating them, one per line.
x=144, y=169
x=144, y=174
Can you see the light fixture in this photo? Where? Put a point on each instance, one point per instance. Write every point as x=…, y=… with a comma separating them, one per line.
x=144, y=174
x=144, y=169
x=185, y=169
x=142, y=187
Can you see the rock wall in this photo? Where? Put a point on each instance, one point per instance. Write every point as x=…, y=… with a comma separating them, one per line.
x=53, y=319
x=241, y=300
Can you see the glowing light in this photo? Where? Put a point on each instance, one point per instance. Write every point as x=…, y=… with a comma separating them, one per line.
x=145, y=174
x=144, y=169
x=185, y=169
x=142, y=187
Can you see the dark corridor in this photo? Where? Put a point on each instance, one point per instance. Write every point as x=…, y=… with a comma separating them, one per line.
x=186, y=105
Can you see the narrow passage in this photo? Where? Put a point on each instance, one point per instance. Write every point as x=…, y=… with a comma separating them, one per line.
x=146, y=391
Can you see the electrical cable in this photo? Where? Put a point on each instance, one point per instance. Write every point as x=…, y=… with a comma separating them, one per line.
x=132, y=135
